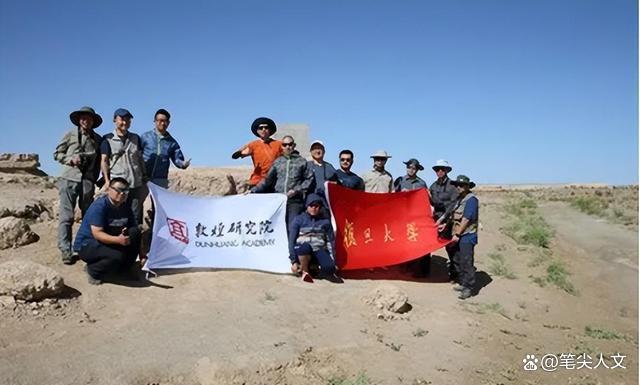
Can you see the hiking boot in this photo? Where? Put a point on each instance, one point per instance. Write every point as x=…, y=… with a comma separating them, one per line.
x=458, y=287
x=466, y=293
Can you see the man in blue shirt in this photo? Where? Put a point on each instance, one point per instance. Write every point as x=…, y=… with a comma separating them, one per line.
x=464, y=215
x=158, y=148
x=323, y=171
x=345, y=177
x=108, y=238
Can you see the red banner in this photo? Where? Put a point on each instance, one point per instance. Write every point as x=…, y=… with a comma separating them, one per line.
x=375, y=230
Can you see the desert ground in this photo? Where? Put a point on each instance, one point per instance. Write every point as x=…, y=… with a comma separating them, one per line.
x=557, y=272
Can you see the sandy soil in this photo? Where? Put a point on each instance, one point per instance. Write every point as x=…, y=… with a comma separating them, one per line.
x=243, y=327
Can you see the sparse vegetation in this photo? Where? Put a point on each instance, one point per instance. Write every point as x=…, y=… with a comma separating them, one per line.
x=604, y=334
x=542, y=256
x=530, y=229
x=484, y=308
x=592, y=205
x=557, y=275
x=360, y=379
x=519, y=207
x=499, y=267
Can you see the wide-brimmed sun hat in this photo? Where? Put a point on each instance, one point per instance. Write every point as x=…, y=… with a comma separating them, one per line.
x=462, y=180
x=75, y=116
x=380, y=154
x=263, y=120
x=414, y=162
x=441, y=163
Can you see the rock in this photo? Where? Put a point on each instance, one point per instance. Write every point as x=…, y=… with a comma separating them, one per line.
x=389, y=298
x=20, y=163
x=28, y=281
x=15, y=232
x=7, y=301
x=210, y=181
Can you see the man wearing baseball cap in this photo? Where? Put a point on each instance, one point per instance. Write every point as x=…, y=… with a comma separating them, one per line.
x=323, y=171
x=311, y=241
x=122, y=157
x=78, y=152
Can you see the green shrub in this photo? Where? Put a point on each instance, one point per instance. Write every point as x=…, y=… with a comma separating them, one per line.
x=591, y=205
x=529, y=230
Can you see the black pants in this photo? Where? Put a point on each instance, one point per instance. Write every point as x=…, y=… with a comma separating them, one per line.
x=463, y=263
x=103, y=259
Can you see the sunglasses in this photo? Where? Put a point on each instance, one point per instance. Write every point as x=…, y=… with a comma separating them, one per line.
x=121, y=190
x=345, y=160
x=290, y=144
x=263, y=128
x=436, y=169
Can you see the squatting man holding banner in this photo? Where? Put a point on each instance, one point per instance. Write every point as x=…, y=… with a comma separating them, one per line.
x=311, y=240
x=109, y=237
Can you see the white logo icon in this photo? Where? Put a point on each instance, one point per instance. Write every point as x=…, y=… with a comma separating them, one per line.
x=530, y=362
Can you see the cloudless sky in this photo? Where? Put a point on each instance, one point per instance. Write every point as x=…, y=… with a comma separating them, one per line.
x=508, y=91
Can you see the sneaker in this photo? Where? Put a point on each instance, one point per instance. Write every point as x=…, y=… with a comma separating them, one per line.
x=466, y=293
x=306, y=277
x=458, y=287
x=93, y=281
x=67, y=258
x=334, y=278
x=132, y=274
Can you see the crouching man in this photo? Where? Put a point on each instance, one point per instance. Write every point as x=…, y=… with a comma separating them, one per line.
x=109, y=238
x=311, y=241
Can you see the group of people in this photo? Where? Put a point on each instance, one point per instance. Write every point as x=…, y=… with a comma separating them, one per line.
x=128, y=161
x=109, y=236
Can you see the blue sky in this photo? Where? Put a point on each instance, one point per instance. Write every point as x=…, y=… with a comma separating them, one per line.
x=508, y=91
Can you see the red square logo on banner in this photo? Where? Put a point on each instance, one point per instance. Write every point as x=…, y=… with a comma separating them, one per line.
x=178, y=230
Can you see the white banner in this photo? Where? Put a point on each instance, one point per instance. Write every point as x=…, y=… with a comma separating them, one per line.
x=238, y=231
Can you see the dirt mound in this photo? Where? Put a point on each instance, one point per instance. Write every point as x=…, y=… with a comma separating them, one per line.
x=210, y=181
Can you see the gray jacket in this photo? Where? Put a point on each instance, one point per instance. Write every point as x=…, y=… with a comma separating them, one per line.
x=125, y=157
x=443, y=196
x=88, y=149
x=404, y=183
x=287, y=173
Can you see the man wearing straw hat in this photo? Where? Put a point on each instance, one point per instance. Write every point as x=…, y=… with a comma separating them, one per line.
x=378, y=180
x=78, y=152
x=443, y=195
